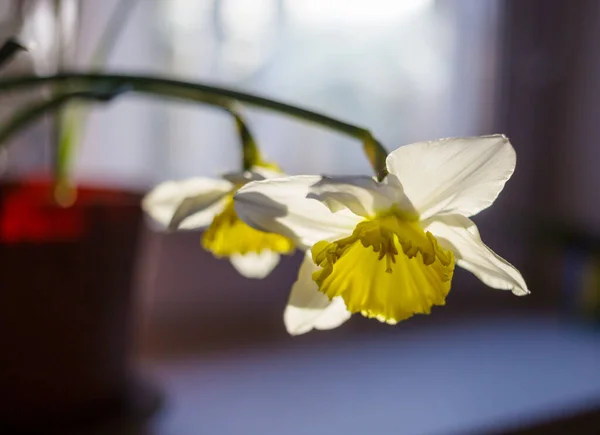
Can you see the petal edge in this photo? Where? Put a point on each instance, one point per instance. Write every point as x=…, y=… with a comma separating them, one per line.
x=454, y=175
x=186, y=204
x=308, y=308
x=460, y=234
x=280, y=205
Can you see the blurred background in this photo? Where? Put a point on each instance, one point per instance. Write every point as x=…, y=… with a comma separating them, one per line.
x=214, y=344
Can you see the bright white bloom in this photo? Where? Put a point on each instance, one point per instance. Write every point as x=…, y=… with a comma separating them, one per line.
x=206, y=202
x=387, y=250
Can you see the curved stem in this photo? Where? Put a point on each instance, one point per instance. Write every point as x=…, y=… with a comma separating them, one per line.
x=193, y=91
x=71, y=123
x=107, y=83
x=31, y=113
x=250, y=152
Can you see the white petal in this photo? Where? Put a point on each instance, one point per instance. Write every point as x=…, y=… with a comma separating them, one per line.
x=363, y=196
x=255, y=265
x=308, y=308
x=460, y=234
x=187, y=204
x=453, y=176
x=280, y=205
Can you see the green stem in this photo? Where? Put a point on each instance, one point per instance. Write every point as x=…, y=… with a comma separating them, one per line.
x=60, y=115
x=107, y=83
x=31, y=113
x=250, y=152
x=71, y=121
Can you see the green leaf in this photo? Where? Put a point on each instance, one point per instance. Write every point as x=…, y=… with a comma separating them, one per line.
x=8, y=51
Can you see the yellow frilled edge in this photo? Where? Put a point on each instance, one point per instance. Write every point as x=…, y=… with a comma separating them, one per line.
x=388, y=269
x=228, y=235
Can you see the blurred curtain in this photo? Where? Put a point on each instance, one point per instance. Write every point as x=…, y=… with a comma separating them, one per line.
x=550, y=86
x=409, y=70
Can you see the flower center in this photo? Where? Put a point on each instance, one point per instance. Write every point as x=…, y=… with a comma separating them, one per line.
x=228, y=235
x=389, y=268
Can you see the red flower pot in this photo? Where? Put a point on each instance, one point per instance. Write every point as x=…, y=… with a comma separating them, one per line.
x=66, y=311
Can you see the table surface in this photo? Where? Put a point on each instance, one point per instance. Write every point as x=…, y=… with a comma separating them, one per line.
x=464, y=377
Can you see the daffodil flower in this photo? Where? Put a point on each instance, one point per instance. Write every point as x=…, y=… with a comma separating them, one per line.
x=205, y=202
x=387, y=250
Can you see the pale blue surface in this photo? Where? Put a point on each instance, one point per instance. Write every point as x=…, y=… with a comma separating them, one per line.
x=454, y=379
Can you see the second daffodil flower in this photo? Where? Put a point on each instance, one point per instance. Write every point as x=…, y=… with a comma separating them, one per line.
x=387, y=250
x=204, y=202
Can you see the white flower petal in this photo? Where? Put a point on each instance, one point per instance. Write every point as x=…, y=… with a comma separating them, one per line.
x=187, y=204
x=280, y=205
x=255, y=265
x=363, y=196
x=308, y=308
x=453, y=176
x=460, y=234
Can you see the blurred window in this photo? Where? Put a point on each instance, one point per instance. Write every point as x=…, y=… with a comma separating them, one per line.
x=408, y=70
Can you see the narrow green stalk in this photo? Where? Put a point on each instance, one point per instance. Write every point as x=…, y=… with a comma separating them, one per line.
x=376, y=154
x=250, y=152
x=60, y=171
x=107, y=83
x=71, y=120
